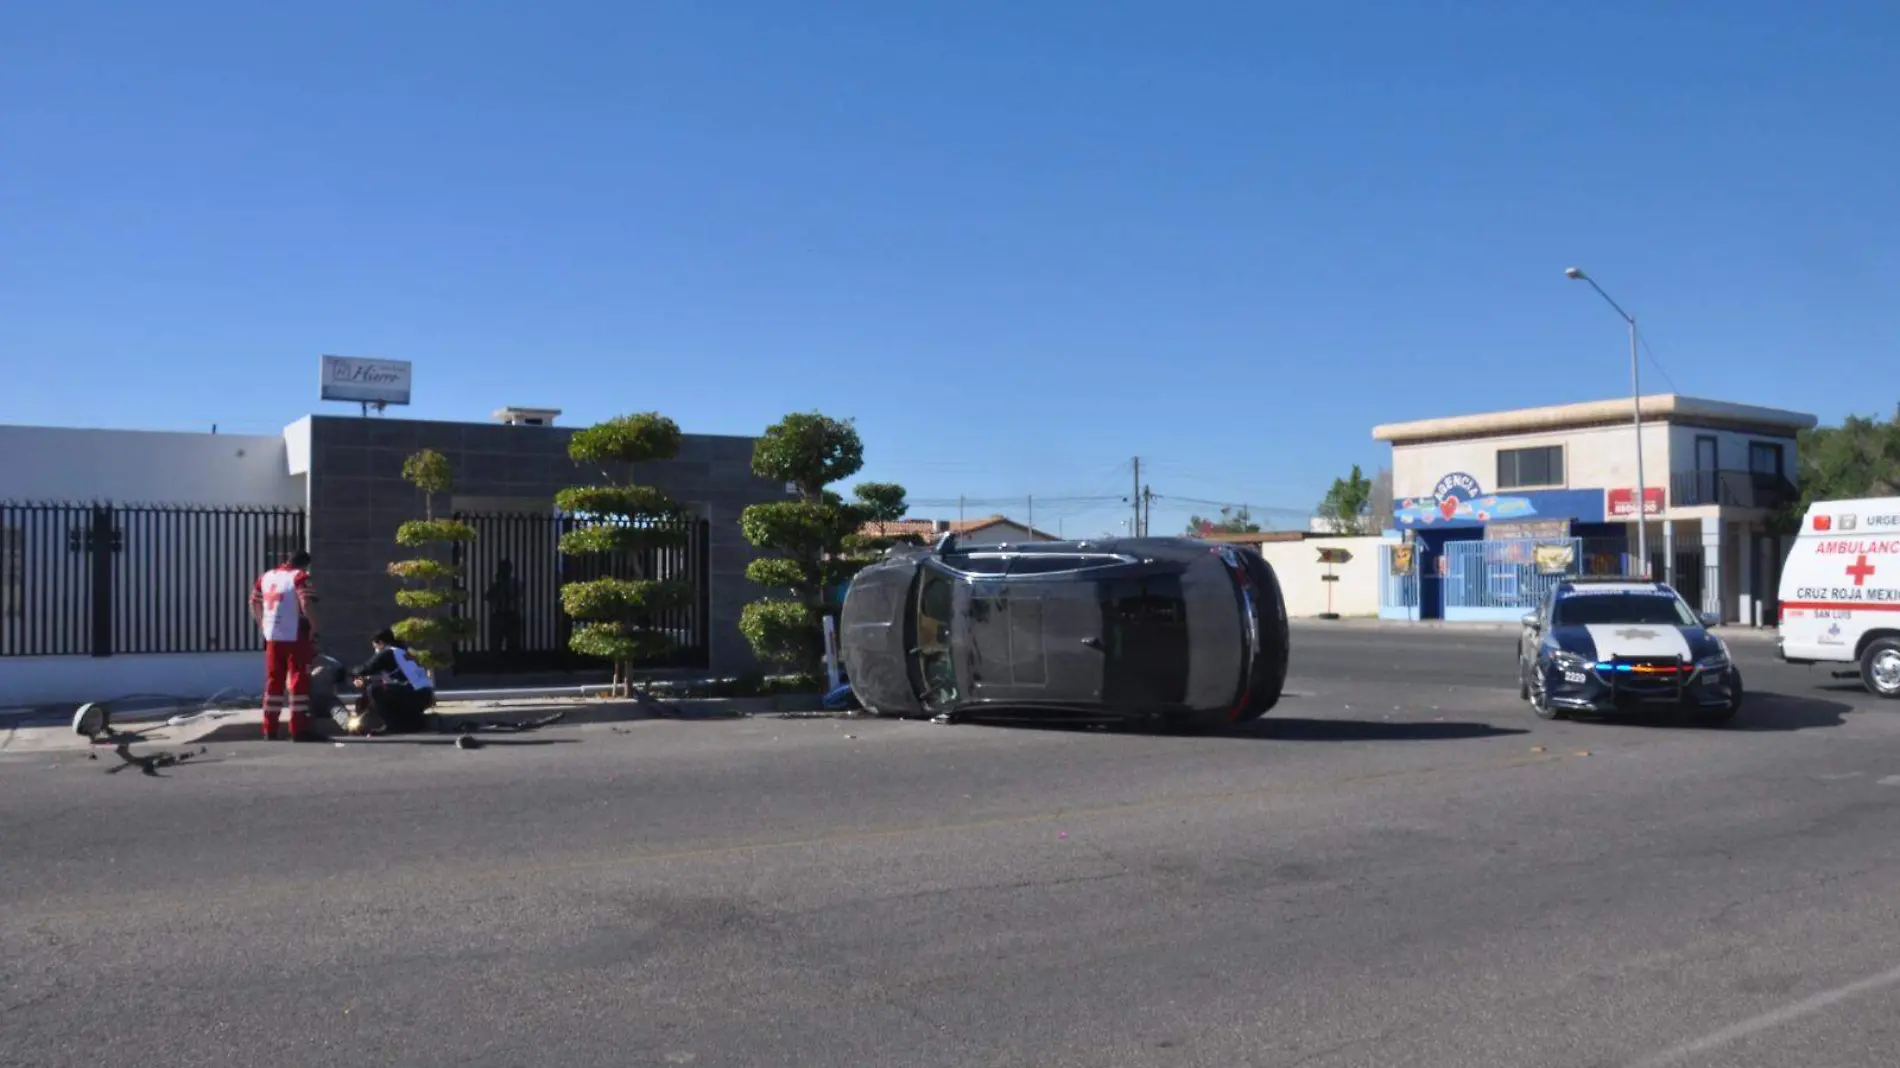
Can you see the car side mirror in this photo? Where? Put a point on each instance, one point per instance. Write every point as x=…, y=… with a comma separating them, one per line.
x=1710, y=619
x=1530, y=620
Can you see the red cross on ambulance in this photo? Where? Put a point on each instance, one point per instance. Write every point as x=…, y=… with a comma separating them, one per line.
x=1860, y=569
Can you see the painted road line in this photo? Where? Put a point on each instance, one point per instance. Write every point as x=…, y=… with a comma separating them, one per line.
x=1757, y=1024
x=1891, y=780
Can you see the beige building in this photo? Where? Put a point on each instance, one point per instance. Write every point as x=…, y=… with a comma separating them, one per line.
x=1475, y=494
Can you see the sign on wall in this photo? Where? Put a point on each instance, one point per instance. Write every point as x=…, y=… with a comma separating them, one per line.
x=1459, y=500
x=1621, y=503
x=365, y=381
x=1531, y=529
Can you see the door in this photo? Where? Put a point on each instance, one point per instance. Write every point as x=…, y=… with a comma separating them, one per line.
x=1706, y=465
x=1147, y=642
x=936, y=635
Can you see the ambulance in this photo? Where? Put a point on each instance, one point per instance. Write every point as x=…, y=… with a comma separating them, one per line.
x=1840, y=592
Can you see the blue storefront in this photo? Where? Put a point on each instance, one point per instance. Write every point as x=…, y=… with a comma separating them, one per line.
x=1470, y=556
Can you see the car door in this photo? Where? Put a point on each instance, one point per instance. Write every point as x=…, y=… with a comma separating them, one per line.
x=1531, y=636
x=1148, y=650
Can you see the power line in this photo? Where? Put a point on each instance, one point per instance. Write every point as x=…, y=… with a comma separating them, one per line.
x=1643, y=340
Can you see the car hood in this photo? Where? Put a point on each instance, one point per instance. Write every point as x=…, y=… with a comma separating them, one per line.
x=1601, y=641
x=871, y=635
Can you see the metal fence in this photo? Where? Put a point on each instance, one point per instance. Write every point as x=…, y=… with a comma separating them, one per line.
x=1507, y=576
x=1398, y=582
x=514, y=571
x=100, y=579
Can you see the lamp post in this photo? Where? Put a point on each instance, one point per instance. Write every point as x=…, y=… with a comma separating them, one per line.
x=1641, y=504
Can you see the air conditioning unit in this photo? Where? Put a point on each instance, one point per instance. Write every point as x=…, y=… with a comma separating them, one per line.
x=526, y=416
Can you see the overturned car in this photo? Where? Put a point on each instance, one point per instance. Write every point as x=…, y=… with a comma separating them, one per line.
x=1177, y=630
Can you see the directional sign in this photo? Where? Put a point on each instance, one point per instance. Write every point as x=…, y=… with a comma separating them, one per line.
x=1329, y=578
x=1334, y=556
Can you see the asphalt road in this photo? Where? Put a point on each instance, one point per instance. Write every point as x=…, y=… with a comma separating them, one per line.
x=1400, y=868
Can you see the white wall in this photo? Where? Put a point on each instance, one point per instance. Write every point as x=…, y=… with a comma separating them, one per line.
x=1296, y=564
x=1594, y=458
x=145, y=466
x=73, y=680
x=297, y=447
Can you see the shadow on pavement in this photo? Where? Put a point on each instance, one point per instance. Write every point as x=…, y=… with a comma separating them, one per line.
x=1270, y=729
x=1357, y=730
x=1762, y=712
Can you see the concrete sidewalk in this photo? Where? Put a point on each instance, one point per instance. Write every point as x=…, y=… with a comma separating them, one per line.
x=224, y=727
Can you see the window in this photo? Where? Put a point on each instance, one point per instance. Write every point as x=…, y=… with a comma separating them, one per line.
x=1542, y=465
x=1050, y=563
x=12, y=573
x=1639, y=609
x=935, y=617
x=978, y=563
x=1764, y=458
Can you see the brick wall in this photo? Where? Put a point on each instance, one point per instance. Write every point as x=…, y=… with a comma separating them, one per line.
x=358, y=498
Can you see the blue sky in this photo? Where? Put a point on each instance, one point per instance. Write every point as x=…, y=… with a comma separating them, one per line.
x=1019, y=242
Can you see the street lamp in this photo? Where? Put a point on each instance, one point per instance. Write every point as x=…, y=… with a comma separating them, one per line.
x=1636, y=420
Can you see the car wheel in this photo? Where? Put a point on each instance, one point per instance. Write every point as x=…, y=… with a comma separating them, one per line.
x=1540, y=698
x=1718, y=717
x=1276, y=644
x=1523, y=681
x=1880, y=668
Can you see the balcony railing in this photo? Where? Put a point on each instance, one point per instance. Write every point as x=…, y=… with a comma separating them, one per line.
x=1732, y=489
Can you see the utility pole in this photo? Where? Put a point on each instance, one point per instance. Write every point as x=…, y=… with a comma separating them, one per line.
x=1032, y=511
x=959, y=509
x=1135, y=529
x=1147, y=508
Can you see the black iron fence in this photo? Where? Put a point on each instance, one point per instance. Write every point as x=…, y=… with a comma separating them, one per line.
x=514, y=570
x=100, y=579
x=1731, y=488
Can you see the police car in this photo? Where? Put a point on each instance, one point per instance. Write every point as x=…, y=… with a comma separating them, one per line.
x=1606, y=647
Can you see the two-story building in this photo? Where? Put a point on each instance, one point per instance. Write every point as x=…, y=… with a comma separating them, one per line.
x=1493, y=508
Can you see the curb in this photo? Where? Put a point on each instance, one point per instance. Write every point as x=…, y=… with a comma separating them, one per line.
x=44, y=733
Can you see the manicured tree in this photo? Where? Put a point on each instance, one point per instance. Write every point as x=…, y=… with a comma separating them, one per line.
x=816, y=539
x=625, y=521
x=432, y=585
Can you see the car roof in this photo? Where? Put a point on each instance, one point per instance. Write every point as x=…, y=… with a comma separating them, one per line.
x=1586, y=588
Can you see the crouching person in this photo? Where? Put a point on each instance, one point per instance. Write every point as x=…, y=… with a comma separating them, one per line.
x=397, y=691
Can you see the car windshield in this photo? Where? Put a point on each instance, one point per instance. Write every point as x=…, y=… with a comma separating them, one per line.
x=1651, y=608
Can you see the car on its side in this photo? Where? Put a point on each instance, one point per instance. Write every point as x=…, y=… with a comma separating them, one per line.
x=1175, y=630
x=1620, y=646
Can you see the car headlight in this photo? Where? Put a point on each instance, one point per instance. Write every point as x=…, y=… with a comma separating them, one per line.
x=1716, y=659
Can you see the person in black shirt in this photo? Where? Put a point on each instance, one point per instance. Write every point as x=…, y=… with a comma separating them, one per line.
x=396, y=689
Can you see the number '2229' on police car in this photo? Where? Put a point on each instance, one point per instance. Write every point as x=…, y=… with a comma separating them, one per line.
x=1609, y=647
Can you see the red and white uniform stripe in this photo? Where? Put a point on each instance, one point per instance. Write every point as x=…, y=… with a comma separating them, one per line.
x=280, y=597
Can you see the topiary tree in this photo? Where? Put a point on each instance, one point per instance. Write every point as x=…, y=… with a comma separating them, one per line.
x=625, y=522
x=432, y=585
x=818, y=540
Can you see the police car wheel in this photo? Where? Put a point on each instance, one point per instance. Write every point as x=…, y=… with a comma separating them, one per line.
x=1880, y=668
x=1540, y=701
x=1717, y=717
x=1523, y=681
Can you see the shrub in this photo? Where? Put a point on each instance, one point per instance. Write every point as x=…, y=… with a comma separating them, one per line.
x=432, y=586
x=614, y=614
x=816, y=539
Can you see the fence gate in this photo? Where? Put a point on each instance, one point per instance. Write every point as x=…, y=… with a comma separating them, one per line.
x=514, y=570
x=1398, y=582
x=1499, y=581
x=101, y=579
